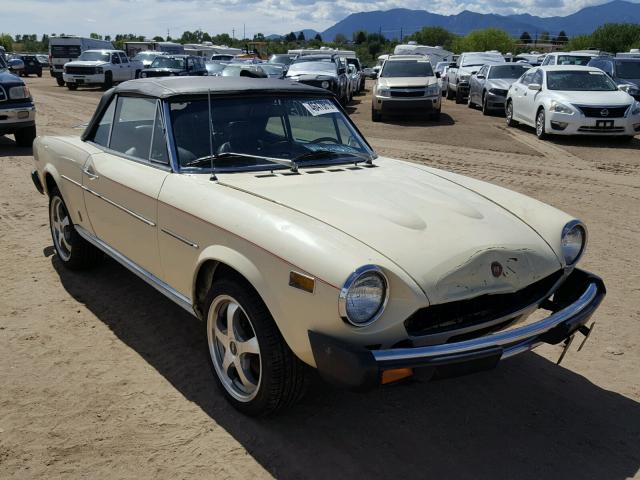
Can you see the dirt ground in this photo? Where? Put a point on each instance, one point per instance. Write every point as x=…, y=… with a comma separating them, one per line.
x=102, y=377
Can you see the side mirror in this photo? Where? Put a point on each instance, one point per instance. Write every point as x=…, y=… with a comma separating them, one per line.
x=453, y=65
x=438, y=75
x=15, y=65
x=535, y=86
x=480, y=77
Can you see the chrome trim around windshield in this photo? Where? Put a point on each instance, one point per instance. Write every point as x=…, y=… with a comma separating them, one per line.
x=171, y=144
x=145, y=275
x=342, y=298
x=519, y=339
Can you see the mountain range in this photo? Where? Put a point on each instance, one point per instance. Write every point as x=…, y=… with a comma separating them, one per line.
x=401, y=21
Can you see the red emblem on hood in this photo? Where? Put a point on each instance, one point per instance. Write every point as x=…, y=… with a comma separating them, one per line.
x=496, y=269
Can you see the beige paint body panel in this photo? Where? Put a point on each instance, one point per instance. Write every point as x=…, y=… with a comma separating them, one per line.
x=125, y=214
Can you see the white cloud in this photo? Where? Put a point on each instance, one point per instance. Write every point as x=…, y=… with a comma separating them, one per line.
x=155, y=17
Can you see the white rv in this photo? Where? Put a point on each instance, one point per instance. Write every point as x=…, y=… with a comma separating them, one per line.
x=435, y=54
x=134, y=48
x=68, y=48
x=206, y=49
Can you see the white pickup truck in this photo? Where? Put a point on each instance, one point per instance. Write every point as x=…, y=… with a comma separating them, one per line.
x=100, y=67
x=467, y=64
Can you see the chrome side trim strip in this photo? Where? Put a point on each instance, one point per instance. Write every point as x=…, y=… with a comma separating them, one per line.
x=111, y=202
x=180, y=238
x=522, y=334
x=148, y=277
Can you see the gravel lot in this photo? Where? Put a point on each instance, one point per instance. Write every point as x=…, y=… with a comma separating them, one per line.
x=102, y=377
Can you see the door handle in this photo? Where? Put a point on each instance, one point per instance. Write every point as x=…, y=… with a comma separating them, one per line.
x=90, y=174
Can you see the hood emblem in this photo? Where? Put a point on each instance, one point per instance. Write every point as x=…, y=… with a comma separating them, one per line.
x=496, y=269
x=604, y=112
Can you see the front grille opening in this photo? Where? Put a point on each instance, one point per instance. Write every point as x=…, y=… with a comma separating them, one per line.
x=476, y=311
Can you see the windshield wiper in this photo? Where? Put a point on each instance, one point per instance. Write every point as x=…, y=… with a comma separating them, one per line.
x=208, y=158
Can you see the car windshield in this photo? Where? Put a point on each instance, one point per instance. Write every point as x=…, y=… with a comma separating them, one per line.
x=573, y=60
x=480, y=60
x=407, y=68
x=89, y=56
x=168, y=62
x=580, y=81
x=264, y=133
x=508, y=71
x=145, y=56
x=284, y=59
x=312, y=66
x=628, y=70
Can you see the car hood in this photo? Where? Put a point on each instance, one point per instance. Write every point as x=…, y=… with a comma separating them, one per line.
x=592, y=98
x=86, y=63
x=501, y=83
x=300, y=75
x=446, y=237
x=7, y=77
x=406, y=81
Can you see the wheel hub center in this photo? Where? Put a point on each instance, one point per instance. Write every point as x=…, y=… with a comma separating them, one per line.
x=233, y=347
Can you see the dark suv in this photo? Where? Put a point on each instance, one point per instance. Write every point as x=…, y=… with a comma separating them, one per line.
x=324, y=71
x=32, y=65
x=175, y=65
x=17, y=111
x=624, y=71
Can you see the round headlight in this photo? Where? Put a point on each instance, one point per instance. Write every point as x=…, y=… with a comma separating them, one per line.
x=574, y=240
x=363, y=296
x=325, y=84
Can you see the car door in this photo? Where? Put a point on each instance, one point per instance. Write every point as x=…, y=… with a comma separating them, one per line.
x=519, y=88
x=127, y=71
x=123, y=181
x=116, y=69
x=478, y=83
x=530, y=97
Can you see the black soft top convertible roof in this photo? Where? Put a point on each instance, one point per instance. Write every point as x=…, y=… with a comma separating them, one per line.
x=176, y=86
x=167, y=87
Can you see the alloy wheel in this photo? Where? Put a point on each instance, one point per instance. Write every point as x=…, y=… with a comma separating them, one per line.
x=234, y=348
x=60, y=228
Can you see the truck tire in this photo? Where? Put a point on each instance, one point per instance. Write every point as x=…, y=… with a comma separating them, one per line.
x=375, y=116
x=60, y=81
x=72, y=86
x=450, y=93
x=255, y=368
x=25, y=136
x=108, y=81
x=459, y=97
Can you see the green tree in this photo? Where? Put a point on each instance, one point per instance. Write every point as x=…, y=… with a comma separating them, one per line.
x=157, y=38
x=95, y=36
x=616, y=37
x=301, y=37
x=544, y=37
x=259, y=36
x=434, y=36
x=340, y=39
x=359, y=37
x=374, y=49
x=525, y=38
x=579, y=42
x=562, y=37
x=318, y=37
x=290, y=37
x=482, y=40
x=6, y=41
x=206, y=37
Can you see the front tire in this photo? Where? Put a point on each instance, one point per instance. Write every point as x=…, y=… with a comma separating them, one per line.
x=450, y=93
x=375, y=115
x=485, y=106
x=73, y=251
x=508, y=113
x=25, y=136
x=60, y=81
x=459, y=97
x=72, y=86
x=256, y=370
x=540, y=125
x=108, y=81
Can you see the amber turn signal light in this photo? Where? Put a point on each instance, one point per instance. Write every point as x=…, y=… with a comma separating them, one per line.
x=302, y=282
x=395, y=374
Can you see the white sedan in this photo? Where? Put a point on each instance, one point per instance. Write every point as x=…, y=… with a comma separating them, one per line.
x=572, y=100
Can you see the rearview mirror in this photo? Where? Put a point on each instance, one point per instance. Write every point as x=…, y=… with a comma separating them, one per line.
x=535, y=86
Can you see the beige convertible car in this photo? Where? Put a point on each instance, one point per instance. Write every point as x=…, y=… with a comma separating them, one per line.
x=258, y=207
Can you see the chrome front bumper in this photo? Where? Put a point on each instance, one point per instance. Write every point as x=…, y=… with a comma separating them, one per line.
x=359, y=368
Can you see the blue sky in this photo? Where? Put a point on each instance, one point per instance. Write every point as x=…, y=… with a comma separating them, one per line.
x=156, y=17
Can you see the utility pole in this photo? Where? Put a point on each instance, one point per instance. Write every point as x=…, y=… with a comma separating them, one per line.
x=401, y=37
x=233, y=33
x=168, y=35
x=244, y=31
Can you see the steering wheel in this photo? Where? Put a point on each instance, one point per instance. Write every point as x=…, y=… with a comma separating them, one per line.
x=325, y=139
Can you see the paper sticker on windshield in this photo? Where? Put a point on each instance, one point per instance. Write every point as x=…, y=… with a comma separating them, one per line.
x=320, y=107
